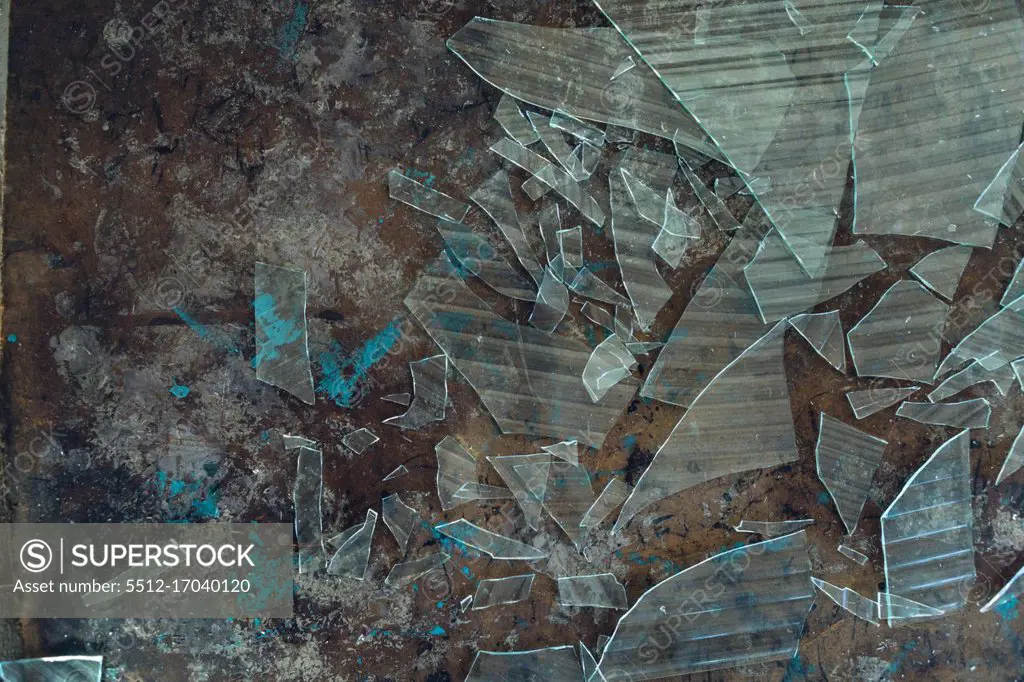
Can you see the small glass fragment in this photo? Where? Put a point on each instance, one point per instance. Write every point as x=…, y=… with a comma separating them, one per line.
x=602, y=640
x=927, y=532
x=577, y=128
x=1014, y=459
x=429, y=394
x=584, y=161
x=519, y=155
x=465, y=603
x=282, y=350
x=529, y=494
x=291, y=442
x=398, y=472
x=824, y=332
x=624, y=324
x=1009, y=596
x=567, y=451
x=498, y=591
x=511, y=119
x=940, y=270
x=553, y=140
x=568, y=495
x=609, y=364
x=570, y=244
x=482, y=491
x=400, y=518
x=615, y=493
x=623, y=67
x=895, y=608
x=555, y=663
x=867, y=402
x=421, y=197
x=975, y=373
x=552, y=303
x=772, y=529
x=901, y=336
x=567, y=187
x=751, y=606
x=726, y=187
x=478, y=256
x=53, y=669
x=601, y=591
x=307, y=495
x=678, y=228
x=353, y=556
x=359, y=440
x=718, y=210
x=494, y=196
x=1003, y=199
x=597, y=315
x=549, y=222
x=649, y=203
x=493, y=545
x=590, y=672
x=398, y=398
x=846, y=460
x=849, y=600
x=405, y=573
x=850, y=553
x=1015, y=289
x=589, y=285
x=456, y=466
x=967, y=414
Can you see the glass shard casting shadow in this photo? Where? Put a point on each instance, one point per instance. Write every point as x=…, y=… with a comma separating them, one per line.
x=359, y=440
x=1014, y=459
x=752, y=606
x=850, y=553
x=927, y=532
x=406, y=573
x=846, y=460
x=307, y=496
x=513, y=122
x=53, y=669
x=421, y=197
x=528, y=381
x=554, y=663
x=772, y=529
x=291, y=442
x=824, y=332
x=398, y=472
x=494, y=196
x=429, y=394
x=478, y=256
x=901, y=336
x=715, y=438
x=608, y=365
x=400, y=518
x=972, y=375
x=615, y=493
x=353, y=556
x=456, y=466
x=1009, y=596
x=493, y=545
x=600, y=591
x=849, y=600
x=282, y=350
x=1003, y=199
x=967, y=414
x=869, y=401
x=498, y=591
x=940, y=270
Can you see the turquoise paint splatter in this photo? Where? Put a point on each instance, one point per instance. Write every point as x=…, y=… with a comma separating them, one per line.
x=179, y=391
x=189, y=501
x=823, y=498
x=12, y=338
x=343, y=374
x=218, y=339
x=629, y=442
x=291, y=32
x=422, y=177
x=437, y=631
x=440, y=604
x=1007, y=609
x=278, y=332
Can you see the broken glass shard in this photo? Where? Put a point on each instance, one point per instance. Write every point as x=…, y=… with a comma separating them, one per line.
x=493, y=545
x=824, y=332
x=456, y=466
x=520, y=156
x=643, y=347
x=849, y=600
x=624, y=324
x=282, y=351
x=567, y=451
x=927, y=531
x=609, y=364
x=494, y=196
x=353, y=557
x=421, y=197
x=567, y=497
x=482, y=491
x=529, y=494
x=997, y=341
x=1009, y=597
x=602, y=641
x=677, y=229
x=291, y=442
x=1014, y=459
x=465, y=603
x=1015, y=289
x=772, y=529
x=589, y=285
x=867, y=402
x=478, y=256
x=614, y=494
x=972, y=375
x=565, y=186
x=511, y=119
x=577, y=128
x=553, y=140
x=853, y=555
x=497, y=591
x=619, y=136
x=649, y=204
x=726, y=187
x=627, y=64
x=797, y=17
x=967, y=414
x=901, y=336
x=554, y=663
x=597, y=315
x=400, y=518
x=359, y=440
x=429, y=394
x=601, y=591
x=715, y=438
x=399, y=471
x=307, y=495
x=549, y=222
x=570, y=245
x=1003, y=199
x=718, y=210
x=405, y=573
x=940, y=270
x=846, y=460
x=584, y=160
x=895, y=608
x=590, y=672
x=398, y=398
x=529, y=381
x=53, y=669
x=552, y=302
x=751, y=609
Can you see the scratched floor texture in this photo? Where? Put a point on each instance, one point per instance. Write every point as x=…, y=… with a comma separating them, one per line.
x=250, y=130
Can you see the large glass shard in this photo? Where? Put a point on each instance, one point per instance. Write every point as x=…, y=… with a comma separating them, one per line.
x=353, y=556
x=555, y=663
x=601, y=591
x=400, y=518
x=1015, y=289
x=781, y=288
x=577, y=128
x=456, y=466
x=429, y=394
x=493, y=545
x=718, y=210
x=552, y=302
x=53, y=669
x=478, y=256
x=846, y=460
x=901, y=336
x=867, y=402
x=589, y=285
x=772, y=529
x=529, y=494
x=482, y=491
x=597, y=315
x=291, y=442
x=1009, y=597
x=553, y=140
x=997, y=341
x=849, y=600
x=750, y=607
x=570, y=244
x=497, y=591
x=614, y=494
x=359, y=440
x=824, y=332
x=528, y=381
x=1003, y=199
x=940, y=270
x=716, y=437
x=972, y=375
x=853, y=555
x=608, y=365
x=421, y=197
x=494, y=196
x=571, y=70
x=895, y=608
x=968, y=414
x=567, y=187
x=567, y=451
x=927, y=531
x=405, y=573
x=567, y=497
x=511, y=119
x=307, y=496
x=1014, y=459
x=282, y=351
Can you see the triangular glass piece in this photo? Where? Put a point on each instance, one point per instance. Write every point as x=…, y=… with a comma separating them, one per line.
x=492, y=544
x=405, y=573
x=609, y=364
x=529, y=503
x=1008, y=598
x=1014, y=459
x=967, y=414
x=511, y=119
x=895, y=608
x=940, y=270
x=353, y=556
x=615, y=493
x=456, y=466
x=849, y=600
x=824, y=332
x=494, y=196
x=1015, y=289
x=567, y=450
x=429, y=394
x=400, y=518
x=847, y=459
x=477, y=255
x=397, y=473
x=425, y=199
x=568, y=496
x=1003, y=199
x=975, y=373
x=869, y=401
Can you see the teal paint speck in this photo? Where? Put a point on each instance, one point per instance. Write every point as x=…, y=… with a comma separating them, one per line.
x=629, y=442
x=823, y=498
x=12, y=338
x=1007, y=608
x=415, y=587
x=179, y=391
x=438, y=631
x=440, y=604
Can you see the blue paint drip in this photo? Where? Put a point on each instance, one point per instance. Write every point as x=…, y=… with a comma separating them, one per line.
x=342, y=375
x=219, y=340
x=179, y=391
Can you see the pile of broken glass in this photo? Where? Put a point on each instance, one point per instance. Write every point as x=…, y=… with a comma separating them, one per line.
x=912, y=116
